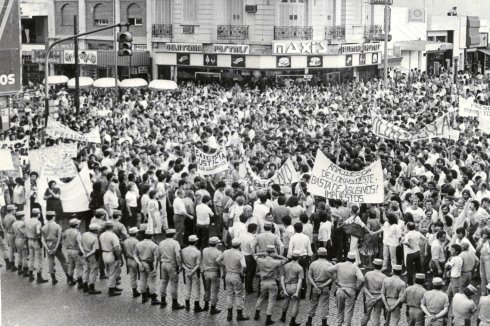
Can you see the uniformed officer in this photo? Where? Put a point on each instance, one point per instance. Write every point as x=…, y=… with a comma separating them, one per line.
x=19, y=229
x=33, y=234
x=470, y=262
x=372, y=294
x=8, y=220
x=191, y=263
x=484, y=309
x=171, y=264
x=463, y=306
x=413, y=297
x=211, y=275
x=146, y=255
x=51, y=239
x=392, y=293
x=269, y=265
x=111, y=254
x=4, y=253
x=350, y=281
x=268, y=238
x=320, y=281
x=435, y=304
x=291, y=280
x=100, y=218
x=234, y=263
x=90, y=244
x=72, y=240
x=119, y=229
x=131, y=266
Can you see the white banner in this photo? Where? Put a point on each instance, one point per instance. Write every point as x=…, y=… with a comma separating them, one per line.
x=56, y=130
x=330, y=181
x=20, y=146
x=6, y=163
x=285, y=176
x=211, y=163
x=440, y=128
x=469, y=109
x=53, y=162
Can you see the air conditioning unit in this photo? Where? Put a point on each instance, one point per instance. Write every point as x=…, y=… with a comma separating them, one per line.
x=251, y=9
x=416, y=15
x=188, y=29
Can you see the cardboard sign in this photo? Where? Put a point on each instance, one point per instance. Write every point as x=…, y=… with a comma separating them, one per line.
x=332, y=182
x=211, y=163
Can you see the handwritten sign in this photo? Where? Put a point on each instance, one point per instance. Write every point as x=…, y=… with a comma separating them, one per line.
x=285, y=176
x=211, y=163
x=20, y=146
x=56, y=130
x=332, y=182
x=54, y=162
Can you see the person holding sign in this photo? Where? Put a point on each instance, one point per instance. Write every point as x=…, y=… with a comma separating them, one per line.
x=356, y=228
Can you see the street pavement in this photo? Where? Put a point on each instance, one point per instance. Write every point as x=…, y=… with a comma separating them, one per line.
x=25, y=304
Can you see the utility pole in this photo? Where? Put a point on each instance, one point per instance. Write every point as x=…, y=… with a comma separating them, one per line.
x=386, y=30
x=116, y=56
x=77, y=66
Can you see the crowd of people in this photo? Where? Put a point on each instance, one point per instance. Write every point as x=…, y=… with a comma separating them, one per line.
x=152, y=210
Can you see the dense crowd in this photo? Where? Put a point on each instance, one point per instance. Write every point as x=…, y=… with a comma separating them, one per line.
x=153, y=211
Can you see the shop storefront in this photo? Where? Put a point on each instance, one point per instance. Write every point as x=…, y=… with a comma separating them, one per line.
x=427, y=56
x=296, y=59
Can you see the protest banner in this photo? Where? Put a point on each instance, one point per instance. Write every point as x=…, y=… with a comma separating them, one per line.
x=467, y=108
x=440, y=128
x=20, y=146
x=332, y=182
x=211, y=163
x=56, y=130
x=53, y=162
x=6, y=163
x=285, y=176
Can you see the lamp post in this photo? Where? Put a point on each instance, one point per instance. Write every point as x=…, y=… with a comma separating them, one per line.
x=385, y=59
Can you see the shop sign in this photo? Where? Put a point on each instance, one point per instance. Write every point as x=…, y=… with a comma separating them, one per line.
x=445, y=47
x=483, y=40
x=304, y=47
x=228, y=48
x=360, y=48
x=314, y=61
x=142, y=69
x=283, y=61
x=238, y=61
x=183, y=47
x=87, y=57
x=348, y=60
x=375, y=58
x=380, y=2
x=183, y=59
x=29, y=10
x=140, y=47
x=362, y=59
x=55, y=56
x=260, y=49
x=210, y=60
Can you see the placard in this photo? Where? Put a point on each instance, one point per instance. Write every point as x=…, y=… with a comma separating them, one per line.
x=285, y=176
x=332, y=182
x=56, y=130
x=53, y=162
x=20, y=146
x=211, y=163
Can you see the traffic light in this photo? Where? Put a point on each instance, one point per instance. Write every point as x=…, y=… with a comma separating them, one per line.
x=125, y=44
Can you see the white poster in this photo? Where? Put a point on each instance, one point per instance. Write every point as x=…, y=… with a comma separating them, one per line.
x=285, y=176
x=20, y=146
x=6, y=163
x=56, y=130
x=54, y=161
x=211, y=163
x=467, y=108
x=332, y=182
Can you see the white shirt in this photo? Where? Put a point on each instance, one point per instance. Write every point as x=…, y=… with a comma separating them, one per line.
x=301, y=242
x=464, y=240
x=418, y=213
x=456, y=264
x=203, y=214
x=391, y=234
x=325, y=231
x=131, y=199
x=179, y=206
x=259, y=213
x=412, y=241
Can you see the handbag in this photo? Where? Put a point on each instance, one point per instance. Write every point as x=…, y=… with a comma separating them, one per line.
x=355, y=230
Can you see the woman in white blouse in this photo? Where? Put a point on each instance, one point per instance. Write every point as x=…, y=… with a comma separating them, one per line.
x=132, y=204
x=154, y=220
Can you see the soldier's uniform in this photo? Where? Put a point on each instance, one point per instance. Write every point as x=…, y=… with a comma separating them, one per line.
x=71, y=239
x=4, y=253
x=435, y=301
x=269, y=270
x=413, y=297
x=8, y=220
x=211, y=270
x=18, y=227
x=318, y=273
x=51, y=235
x=119, y=229
x=234, y=263
x=147, y=254
x=463, y=307
x=131, y=266
x=470, y=260
x=90, y=244
x=169, y=251
x=292, y=273
x=484, y=309
x=373, y=304
x=33, y=234
x=191, y=258
x=99, y=219
x=350, y=279
x=392, y=290
x=268, y=238
x=111, y=248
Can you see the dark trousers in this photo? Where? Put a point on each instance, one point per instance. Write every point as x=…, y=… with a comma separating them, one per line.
x=202, y=232
x=340, y=242
x=250, y=273
x=413, y=266
x=304, y=261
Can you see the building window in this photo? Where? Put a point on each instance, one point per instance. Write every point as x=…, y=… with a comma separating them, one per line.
x=293, y=13
x=234, y=12
x=163, y=12
x=67, y=12
x=190, y=10
x=135, y=15
x=100, y=15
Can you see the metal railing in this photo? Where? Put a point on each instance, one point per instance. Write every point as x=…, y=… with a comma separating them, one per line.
x=293, y=33
x=232, y=32
x=161, y=30
x=335, y=32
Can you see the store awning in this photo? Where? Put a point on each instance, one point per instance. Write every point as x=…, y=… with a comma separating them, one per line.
x=107, y=59
x=486, y=51
x=392, y=62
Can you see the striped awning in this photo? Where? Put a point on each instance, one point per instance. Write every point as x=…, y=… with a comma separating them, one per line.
x=107, y=59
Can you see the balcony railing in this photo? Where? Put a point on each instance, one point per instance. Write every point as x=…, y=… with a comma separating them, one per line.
x=293, y=33
x=232, y=32
x=162, y=30
x=373, y=31
x=335, y=33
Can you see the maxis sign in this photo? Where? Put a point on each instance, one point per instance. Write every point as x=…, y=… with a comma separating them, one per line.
x=10, y=56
